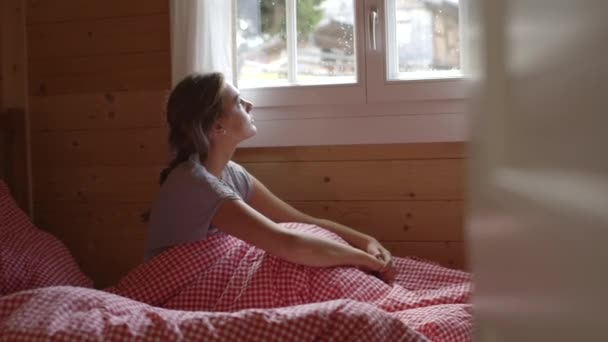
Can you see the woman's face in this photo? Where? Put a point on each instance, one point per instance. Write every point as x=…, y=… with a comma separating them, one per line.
x=236, y=119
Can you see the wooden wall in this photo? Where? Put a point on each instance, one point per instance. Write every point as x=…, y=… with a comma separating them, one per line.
x=99, y=72
x=99, y=75
x=2, y=29
x=408, y=196
x=13, y=102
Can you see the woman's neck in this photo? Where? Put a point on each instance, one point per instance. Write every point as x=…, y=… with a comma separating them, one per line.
x=218, y=158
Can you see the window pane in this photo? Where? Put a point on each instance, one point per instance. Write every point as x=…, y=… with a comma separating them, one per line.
x=326, y=42
x=425, y=41
x=261, y=43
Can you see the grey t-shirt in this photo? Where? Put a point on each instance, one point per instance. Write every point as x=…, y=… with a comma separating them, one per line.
x=188, y=200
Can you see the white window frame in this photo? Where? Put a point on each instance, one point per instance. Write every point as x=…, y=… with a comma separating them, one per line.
x=380, y=89
x=373, y=110
x=299, y=95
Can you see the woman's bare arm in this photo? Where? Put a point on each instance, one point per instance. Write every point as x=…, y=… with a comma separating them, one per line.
x=238, y=219
x=276, y=209
x=267, y=203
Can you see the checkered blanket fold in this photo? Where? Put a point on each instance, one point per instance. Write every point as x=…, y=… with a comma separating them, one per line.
x=223, y=289
x=225, y=274
x=64, y=313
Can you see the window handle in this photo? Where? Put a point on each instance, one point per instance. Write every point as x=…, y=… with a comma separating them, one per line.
x=373, y=24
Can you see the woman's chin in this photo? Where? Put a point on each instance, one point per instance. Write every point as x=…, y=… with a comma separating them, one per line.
x=252, y=132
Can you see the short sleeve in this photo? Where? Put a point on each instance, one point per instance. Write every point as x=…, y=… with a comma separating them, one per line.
x=186, y=205
x=241, y=179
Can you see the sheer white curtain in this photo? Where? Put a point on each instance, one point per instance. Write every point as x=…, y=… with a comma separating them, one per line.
x=201, y=37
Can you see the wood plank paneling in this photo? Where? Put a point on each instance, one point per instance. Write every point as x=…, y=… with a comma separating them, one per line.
x=104, y=252
x=45, y=11
x=449, y=253
x=148, y=144
x=13, y=39
x=94, y=66
x=425, y=221
x=94, y=231
x=139, y=108
x=108, y=201
x=316, y=181
x=15, y=100
x=97, y=183
x=1, y=58
x=98, y=81
x=94, y=74
x=14, y=168
x=107, y=238
x=351, y=152
x=439, y=179
x=98, y=214
x=5, y=145
x=99, y=37
x=133, y=146
x=394, y=220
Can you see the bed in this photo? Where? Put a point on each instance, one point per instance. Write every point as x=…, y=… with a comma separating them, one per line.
x=218, y=289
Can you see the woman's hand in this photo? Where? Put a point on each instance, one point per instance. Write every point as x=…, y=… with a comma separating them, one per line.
x=374, y=248
x=375, y=259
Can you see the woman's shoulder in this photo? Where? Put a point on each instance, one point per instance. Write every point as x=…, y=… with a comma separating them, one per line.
x=237, y=170
x=190, y=177
x=189, y=173
x=232, y=165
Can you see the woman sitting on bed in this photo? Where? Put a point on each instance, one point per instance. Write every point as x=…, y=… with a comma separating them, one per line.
x=203, y=192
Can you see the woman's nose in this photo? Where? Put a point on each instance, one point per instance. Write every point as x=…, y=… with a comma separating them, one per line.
x=249, y=106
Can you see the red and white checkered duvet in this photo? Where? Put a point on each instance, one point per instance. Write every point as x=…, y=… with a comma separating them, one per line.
x=81, y=314
x=224, y=289
x=225, y=274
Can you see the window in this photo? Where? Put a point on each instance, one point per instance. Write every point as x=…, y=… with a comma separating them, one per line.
x=333, y=71
x=313, y=42
x=415, y=50
x=305, y=42
x=423, y=39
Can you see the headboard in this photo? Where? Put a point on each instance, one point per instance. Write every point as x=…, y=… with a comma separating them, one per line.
x=14, y=166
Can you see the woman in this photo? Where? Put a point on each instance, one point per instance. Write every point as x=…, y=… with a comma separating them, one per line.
x=203, y=192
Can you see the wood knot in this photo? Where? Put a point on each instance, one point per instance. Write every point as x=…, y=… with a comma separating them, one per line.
x=109, y=97
x=75, y=143
x=408, y=215
x=412, y=195
x=111, y=115
x=406, y=227
x=326, y=179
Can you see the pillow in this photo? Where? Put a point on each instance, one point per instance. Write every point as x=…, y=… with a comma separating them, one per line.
x=12, y=218
x=29, y=257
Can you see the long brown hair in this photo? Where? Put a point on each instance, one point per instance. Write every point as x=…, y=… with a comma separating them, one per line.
x=194, y=105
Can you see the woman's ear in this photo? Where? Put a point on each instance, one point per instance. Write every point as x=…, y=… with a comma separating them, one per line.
x=218, y=129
